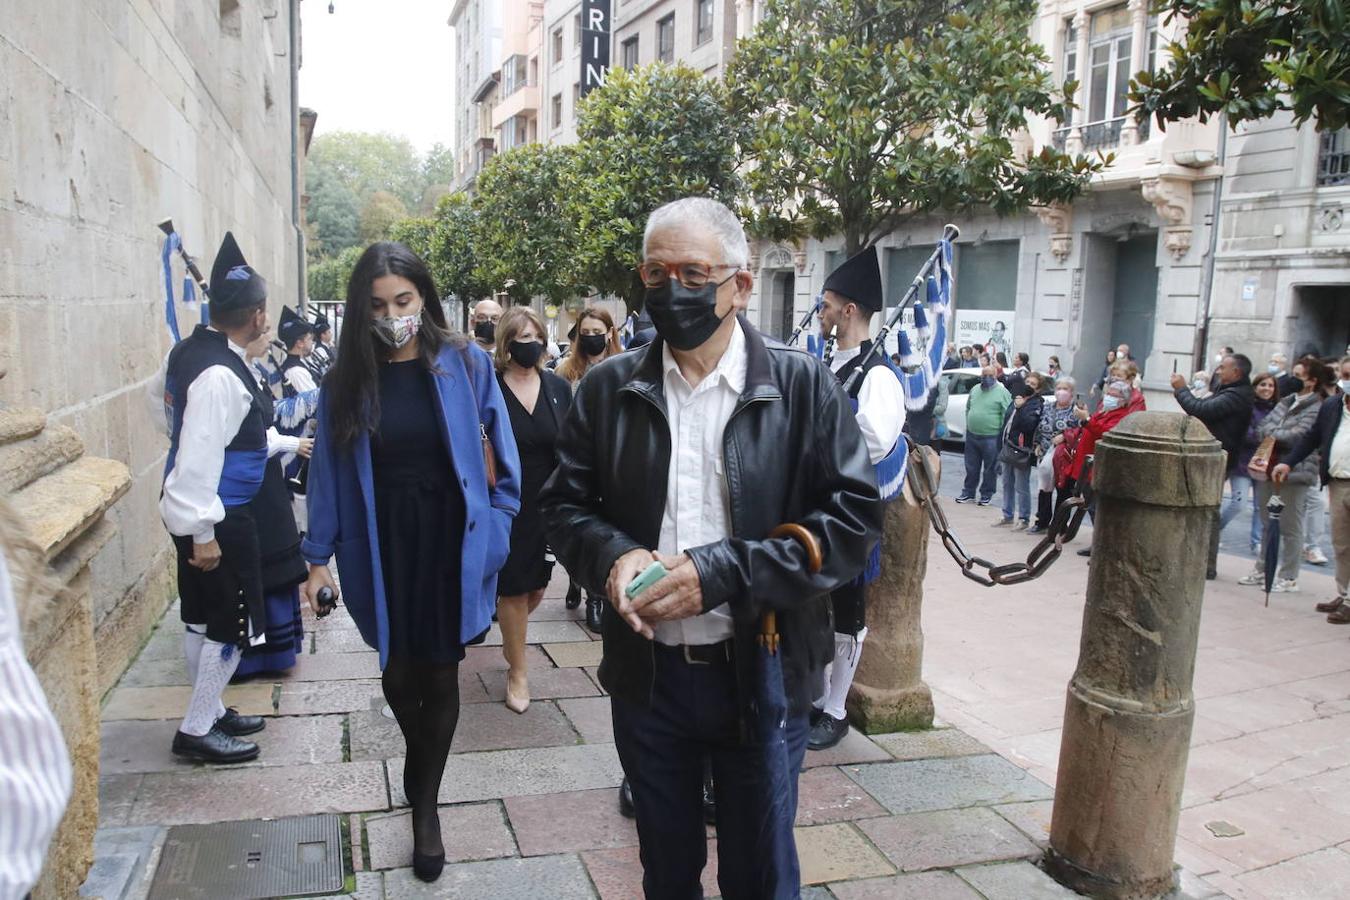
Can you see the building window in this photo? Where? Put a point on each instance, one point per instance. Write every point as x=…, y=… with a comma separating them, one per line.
x=1333, y=160
x=557, y=46
x=515, y=74
x=704, y=18
x=576, y=30
x=630, y=53
x=665, y=39
x=576, y=97
x=557, y=111
x=516, y=132
x=1109, y=47
x=1070, y=52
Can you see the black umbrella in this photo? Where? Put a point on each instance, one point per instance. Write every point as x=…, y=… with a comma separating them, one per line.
x=1274, y=507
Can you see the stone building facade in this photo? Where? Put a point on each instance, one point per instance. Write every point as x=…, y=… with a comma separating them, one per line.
x=113, y=116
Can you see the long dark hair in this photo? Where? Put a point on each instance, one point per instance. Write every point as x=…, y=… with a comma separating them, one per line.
x=352, y=387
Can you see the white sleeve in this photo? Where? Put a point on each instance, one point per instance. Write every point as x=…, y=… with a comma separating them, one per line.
x=217, y=403
x=281, y=443
x=154, y=397
x=881, y=411
x=301, y=378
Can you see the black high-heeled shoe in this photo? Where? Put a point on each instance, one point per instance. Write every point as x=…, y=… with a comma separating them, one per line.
x=595, y=610
x=573, y=595
x=426, y=867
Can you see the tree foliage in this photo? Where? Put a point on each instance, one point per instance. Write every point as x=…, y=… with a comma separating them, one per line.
x=525, y=236
x=333, y=213
x=648, y=136
x=327, y=280
x=381, y=213
x=865, y=112
x=367, y=163
x=446, y=241
x=1248, y=59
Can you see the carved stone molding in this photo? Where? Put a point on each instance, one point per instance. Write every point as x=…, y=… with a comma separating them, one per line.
x=1171, y=199
x=1059, y=219
x=777, y=258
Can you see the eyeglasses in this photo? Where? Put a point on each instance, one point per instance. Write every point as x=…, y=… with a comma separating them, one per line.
x=691, y=275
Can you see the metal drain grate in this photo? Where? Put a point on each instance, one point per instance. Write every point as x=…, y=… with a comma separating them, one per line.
x=251, y=860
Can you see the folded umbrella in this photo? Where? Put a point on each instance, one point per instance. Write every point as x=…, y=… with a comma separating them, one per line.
x=1271, y=548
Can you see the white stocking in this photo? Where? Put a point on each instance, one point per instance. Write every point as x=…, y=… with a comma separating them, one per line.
x=192, y=652
x=847, y=653
x=213, y=676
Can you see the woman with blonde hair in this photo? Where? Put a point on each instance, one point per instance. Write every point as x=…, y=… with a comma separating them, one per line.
x=536, y=401
x=594, y=339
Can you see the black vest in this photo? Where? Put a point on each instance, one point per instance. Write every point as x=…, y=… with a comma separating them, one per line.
x=246, y=453
x=847, y=369
x=291, y=362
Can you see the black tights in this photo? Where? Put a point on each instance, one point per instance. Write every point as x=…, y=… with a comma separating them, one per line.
x=425, y=701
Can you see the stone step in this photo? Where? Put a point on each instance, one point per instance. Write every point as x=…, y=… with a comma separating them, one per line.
x=23, y=462
x=20, y=423
x=61, y=506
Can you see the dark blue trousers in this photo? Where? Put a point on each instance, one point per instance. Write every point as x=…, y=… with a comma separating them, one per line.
x=693, y=715
x=981, y=464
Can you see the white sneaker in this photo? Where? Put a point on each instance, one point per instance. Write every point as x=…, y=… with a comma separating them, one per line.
x=1315, y=556
x=1284, y=586
x=1253, y=578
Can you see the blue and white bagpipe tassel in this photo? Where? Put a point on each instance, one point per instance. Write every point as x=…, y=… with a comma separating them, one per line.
x=292, y=413
x=171, y=246
x=915, y=379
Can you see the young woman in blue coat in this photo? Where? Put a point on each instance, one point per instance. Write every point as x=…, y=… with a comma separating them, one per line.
x=399, y=492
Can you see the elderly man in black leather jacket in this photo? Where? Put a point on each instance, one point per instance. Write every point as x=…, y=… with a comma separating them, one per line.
x=690, y=452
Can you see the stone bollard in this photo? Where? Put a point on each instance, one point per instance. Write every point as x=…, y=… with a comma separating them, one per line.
x=1127, y=720
x=888, y=693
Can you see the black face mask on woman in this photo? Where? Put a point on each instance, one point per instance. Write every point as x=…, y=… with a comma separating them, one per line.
x=525, y=353
x=592, y=344
x=684, y=317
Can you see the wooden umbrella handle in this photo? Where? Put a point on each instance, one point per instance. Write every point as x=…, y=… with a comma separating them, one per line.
x=768, y=632
x=802, y=535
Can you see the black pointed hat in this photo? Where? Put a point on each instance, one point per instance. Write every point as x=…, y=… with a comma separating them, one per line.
x=292, y=328
x=234, y=284
x=859, y=279
x=321, y=323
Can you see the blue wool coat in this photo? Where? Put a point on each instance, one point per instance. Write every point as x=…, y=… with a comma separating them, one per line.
x=340, y=497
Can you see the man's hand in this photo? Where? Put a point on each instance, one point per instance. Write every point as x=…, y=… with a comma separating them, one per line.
x=1279, y=473
x=319, y=577
x=677, y=596
x=624, y=570
x=205, y=556
x=1178, y=381
x=306, y=447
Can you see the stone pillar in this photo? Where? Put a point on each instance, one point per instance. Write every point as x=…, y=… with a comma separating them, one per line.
x=60, y=497
x=1081, y=23
x=888, y=693
x=1127, y=720
x=1129, y=132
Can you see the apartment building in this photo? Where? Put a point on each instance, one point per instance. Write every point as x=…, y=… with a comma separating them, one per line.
x=477, y=41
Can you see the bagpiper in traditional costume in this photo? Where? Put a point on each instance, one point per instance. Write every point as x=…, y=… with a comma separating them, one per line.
x=853, y=294
x=218, y=450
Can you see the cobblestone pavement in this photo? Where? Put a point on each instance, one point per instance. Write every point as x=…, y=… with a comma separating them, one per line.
x=529, y=802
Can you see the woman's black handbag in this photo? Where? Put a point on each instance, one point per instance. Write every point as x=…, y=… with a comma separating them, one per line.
x=1014, y=454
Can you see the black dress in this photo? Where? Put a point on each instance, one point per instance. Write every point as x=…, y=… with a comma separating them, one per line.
x=530, y=564
x=419, y=515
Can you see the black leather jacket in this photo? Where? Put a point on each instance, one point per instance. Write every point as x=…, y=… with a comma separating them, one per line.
x=792, y=452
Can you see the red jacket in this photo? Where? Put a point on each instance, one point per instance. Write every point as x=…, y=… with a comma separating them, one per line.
x=1086, y=441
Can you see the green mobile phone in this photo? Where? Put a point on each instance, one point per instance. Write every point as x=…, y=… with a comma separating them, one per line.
x=649, y=576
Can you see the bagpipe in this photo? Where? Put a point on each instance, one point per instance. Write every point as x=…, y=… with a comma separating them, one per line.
x=193, y=282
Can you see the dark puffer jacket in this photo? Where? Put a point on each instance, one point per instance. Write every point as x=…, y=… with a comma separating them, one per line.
x=1226, y=413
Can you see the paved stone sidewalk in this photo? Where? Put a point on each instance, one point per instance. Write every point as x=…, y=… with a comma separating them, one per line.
x=529, y=801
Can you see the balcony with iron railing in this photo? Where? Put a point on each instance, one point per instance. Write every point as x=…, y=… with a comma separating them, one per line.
x=1103, y=135
x=1333, y=159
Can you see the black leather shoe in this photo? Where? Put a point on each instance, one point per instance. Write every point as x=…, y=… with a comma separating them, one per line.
x=1086, y=551
x=626, y=800
x=427, y=867
x=237, y=726
x=214, y=747
x=709, y=800
x=573, y=595
x=595, y=608
x=827, y=732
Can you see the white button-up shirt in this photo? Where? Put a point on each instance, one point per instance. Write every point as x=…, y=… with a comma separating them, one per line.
x=881, y=405
x=698, y=505
x=1338, y=466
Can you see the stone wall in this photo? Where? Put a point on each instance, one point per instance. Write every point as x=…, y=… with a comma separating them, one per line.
x=113, y=115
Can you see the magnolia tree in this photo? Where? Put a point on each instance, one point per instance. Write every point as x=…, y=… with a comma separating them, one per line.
x=862, y=113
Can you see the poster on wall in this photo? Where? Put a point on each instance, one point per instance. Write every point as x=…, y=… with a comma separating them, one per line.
x=984, y=327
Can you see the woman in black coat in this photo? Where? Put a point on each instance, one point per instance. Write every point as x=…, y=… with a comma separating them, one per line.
x=1019, y=443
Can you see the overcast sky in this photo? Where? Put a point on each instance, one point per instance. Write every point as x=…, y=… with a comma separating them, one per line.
x=378, y=65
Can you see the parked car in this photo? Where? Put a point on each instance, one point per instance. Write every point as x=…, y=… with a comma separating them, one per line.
x=959, y=382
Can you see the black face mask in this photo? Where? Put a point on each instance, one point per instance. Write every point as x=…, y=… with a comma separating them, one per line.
x=592, y=344
x=485, y=331
x=525, y=353
x=684, y=317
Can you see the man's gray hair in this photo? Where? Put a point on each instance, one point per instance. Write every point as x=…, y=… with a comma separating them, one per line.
x=705, y=214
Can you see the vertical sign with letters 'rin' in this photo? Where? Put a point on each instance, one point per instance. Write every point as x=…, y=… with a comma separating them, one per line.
x=595, y=30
